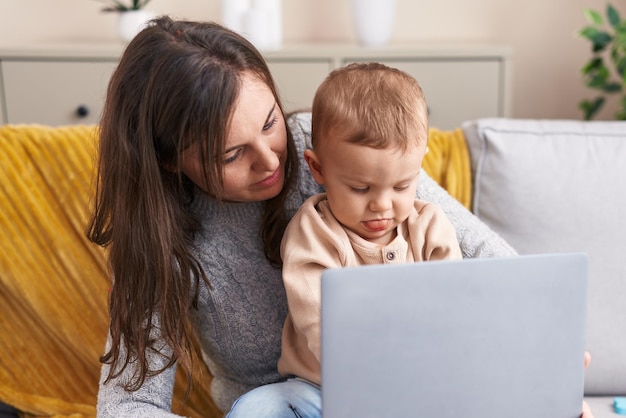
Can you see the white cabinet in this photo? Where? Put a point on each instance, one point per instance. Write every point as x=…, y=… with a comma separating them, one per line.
x=55, y=93
x=58, y=85
x=457, y=90
x=297, y=80
x=66, y=84
x=460, y=82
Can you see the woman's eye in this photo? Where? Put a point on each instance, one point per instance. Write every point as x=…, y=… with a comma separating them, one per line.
x=270, y=123
x=232, y=156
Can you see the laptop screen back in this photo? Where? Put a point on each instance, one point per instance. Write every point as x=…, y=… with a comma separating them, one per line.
x=476, y=338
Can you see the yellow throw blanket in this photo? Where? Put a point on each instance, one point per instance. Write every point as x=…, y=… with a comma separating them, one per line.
x=54, y=282
x=448, y=163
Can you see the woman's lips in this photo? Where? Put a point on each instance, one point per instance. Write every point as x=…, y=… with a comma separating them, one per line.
x=271, y=180
x=376, y=225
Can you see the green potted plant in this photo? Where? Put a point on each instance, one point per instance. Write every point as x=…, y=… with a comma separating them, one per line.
x=606, y=69
x=121, y=6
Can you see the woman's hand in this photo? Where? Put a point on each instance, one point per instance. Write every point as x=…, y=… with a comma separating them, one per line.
x=586, y=410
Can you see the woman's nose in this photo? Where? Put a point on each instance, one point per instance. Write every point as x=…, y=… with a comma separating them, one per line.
x=266, y=159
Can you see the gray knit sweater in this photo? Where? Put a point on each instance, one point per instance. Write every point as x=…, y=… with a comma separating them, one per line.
x=239, y=320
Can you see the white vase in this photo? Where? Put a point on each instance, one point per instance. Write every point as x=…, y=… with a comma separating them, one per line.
x=373, y=20
x=274, y=9
x=131, y=22
x=233, y=13
x=258, y=20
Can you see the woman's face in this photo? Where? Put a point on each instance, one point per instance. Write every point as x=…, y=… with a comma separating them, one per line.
x=255, y=150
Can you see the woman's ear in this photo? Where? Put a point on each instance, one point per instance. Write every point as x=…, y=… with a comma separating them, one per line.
x=314, y=165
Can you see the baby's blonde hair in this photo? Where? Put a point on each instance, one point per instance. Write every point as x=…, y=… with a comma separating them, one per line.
x=370, y=104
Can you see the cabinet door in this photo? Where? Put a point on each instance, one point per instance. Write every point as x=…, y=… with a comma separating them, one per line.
x=457, y=90
x=297, y=80
x=55, y=92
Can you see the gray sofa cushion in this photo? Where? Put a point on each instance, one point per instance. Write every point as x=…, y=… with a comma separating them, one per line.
x=560, y=186
x=602, y=406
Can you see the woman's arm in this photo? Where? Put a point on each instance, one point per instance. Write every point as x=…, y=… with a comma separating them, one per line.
x=153, y=399
x=475, y=238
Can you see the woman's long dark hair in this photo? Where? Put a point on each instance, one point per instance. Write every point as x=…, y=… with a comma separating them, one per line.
x=176, y=83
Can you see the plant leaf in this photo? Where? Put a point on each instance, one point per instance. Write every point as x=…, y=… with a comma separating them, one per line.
x=593, y=17
x=619, y=41
x=612, y=87
x=621, y=113
x=595, y=74
x=598, y=77
x=599, y=39
x=588, y=32
x=591, y=108
x=592, y=65
x=620, y=67
x=597, y=82
x=119, y=5
x=123, y=6
x=613, y=16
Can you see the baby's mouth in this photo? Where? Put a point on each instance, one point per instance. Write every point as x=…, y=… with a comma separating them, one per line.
x=377, y=224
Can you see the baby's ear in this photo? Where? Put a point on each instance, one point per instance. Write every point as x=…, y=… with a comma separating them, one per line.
x=314, y=165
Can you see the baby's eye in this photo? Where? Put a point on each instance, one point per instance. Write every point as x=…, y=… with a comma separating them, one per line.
x=401, y=188
x=360, y=189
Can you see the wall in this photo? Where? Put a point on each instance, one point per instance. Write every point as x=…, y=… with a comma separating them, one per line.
x=547, y=52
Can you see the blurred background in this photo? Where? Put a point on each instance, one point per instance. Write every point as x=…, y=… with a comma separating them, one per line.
x=547, y=52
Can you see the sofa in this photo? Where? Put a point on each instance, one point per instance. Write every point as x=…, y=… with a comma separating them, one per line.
x=544, y=185
x=558, y=186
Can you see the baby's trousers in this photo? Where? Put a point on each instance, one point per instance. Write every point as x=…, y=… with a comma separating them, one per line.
x=293, y=398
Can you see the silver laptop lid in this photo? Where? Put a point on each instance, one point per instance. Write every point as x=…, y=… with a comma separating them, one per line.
x=476, y=338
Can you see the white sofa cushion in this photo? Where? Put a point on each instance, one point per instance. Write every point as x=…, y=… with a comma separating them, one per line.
x=560, y=186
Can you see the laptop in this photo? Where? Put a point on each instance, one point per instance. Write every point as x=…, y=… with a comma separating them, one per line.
x=475, y=338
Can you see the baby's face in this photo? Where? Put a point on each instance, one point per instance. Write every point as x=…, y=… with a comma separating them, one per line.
x=370, y=191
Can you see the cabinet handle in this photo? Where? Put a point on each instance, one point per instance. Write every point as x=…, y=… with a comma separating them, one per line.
x=82, y=111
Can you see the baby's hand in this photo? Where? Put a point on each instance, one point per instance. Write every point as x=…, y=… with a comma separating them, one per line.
x=586, y=411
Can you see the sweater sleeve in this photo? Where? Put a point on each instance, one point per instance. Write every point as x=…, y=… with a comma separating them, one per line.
x=432, y=235
x=153, y=399
x=309, y=246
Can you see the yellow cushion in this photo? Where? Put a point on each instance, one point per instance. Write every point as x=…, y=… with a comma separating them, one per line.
x=53, y=281
x=448, y=163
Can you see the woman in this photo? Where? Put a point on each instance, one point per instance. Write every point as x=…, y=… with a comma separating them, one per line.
x=198, y=176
